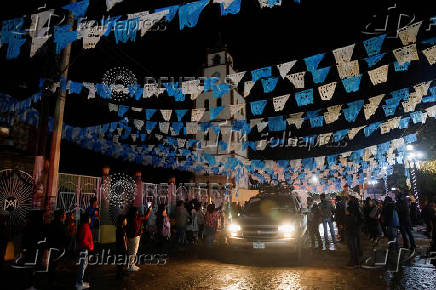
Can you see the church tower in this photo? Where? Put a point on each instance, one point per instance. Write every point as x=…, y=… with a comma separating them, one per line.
x=219, y=63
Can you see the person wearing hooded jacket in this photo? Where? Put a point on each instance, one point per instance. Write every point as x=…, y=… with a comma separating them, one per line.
x=353, y=223
x=388, y=220
x=427, y=215
x=403, y=208
x=327, y=210
x=313, y=221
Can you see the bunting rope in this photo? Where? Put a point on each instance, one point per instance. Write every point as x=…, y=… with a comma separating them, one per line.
x=301, y=169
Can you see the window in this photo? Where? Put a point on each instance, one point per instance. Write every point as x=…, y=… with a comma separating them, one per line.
x=219, y=102
x=277, y=206
x=216, y=59
x=206, y=105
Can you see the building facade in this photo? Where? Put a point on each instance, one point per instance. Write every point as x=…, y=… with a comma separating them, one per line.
x=219, y=64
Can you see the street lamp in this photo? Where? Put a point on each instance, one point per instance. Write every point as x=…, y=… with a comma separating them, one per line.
x=6, y=139
x=409, y=147
x=4, y=129
x=372, y=184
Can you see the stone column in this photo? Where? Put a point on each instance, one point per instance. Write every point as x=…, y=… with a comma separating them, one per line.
x=105, y=194
x=139, y=192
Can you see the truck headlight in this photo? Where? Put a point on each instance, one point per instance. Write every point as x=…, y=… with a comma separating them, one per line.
x=234, y=229
x=287, y=230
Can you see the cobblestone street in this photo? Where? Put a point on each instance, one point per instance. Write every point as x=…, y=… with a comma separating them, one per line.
x=223, y=268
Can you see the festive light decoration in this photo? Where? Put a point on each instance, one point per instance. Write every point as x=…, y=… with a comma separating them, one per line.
x=16, y=188
x=429, y=167
x=414, y=187
x=120, y=190
x=119, y=79
x=124, y=88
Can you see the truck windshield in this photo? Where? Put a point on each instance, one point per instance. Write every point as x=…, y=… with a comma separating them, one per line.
x=270, y=206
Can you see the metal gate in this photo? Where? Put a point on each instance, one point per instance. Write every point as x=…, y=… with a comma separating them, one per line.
x=150, y=195
x=75, y=191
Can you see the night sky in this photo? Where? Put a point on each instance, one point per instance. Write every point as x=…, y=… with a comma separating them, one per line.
x=255, y=38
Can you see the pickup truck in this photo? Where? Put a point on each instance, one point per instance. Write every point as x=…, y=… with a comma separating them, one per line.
x=270, y=220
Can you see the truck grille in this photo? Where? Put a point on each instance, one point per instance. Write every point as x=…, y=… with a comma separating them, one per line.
x=260, y=233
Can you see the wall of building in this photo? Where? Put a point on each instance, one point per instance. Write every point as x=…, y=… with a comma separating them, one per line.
x=233, y=139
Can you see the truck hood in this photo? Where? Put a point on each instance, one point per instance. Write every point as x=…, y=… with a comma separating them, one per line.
x=264, y=220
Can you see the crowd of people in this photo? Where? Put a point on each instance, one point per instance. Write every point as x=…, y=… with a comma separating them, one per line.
x=375, y=218
x=50, y=238
x=188, y=224
x=194, y=222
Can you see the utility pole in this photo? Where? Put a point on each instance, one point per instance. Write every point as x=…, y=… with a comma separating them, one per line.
x=55, y=152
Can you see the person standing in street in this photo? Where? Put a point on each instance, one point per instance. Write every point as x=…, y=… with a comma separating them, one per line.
x=57, y=237
x=427, y=215
x=413, y=210
x=94, y=213
x=313, y=221
x=340, y=217
x=389, y=218
x=86, y=244
x=403, y=208
x=194, y=224
x=70, y=224
x=121, y=242
x=134, y=231
x=373, y=221
x=200, y=221
x=182, y=217
x=163, y=226
x=327, y=210
x=211, y=223
x=353, y=223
